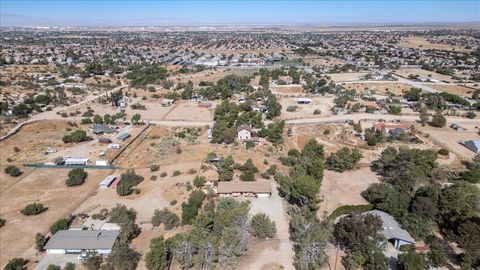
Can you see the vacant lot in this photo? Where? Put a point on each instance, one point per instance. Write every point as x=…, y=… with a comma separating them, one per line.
x=189, y=111
x=450, y=139
x=324, y=104
x=32, y=141
x=454, y=89
x=45, y=186
x=287, y=89
x=377, y=87
x=344, y=188
x=423, y=73
x=424, y=44
x=352, y=76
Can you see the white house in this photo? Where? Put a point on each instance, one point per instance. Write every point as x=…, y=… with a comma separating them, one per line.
x=76, y=161
x=73, y=241
x=244, y=132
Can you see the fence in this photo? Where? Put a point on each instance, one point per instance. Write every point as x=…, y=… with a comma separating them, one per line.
x=51, y=166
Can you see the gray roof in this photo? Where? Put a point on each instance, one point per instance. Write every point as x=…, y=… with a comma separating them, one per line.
x=391, y=229
x=123, y=136
x=101, y=128
x=71, y=239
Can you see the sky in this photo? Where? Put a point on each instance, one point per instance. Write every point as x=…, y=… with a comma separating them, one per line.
x=166, y=13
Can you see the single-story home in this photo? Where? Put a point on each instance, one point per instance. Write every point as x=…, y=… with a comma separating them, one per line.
x=259, y=188
x=474, y=146
x=392, y=230
x=101, y=128
x=76, y=161
x=244, y=132
x=73, y=241
x=390, y=128
x=105, y=183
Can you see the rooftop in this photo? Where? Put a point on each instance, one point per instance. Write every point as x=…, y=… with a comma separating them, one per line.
x=259, y=186
x=391, y=228
x=70, y=239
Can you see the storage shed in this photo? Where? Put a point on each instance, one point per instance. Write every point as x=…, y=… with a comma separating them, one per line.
x=105, y=183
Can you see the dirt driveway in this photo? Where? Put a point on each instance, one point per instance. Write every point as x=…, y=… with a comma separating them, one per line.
x=274, y=253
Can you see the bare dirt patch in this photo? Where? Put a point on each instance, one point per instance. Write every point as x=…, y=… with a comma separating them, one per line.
x=48, y=187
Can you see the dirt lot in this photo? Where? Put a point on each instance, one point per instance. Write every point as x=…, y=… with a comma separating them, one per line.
x=323, y=62
x=48, y=187
x=287, y=89
x=344, y=188
x=275, y=253
x=424, y=44
x=378, y=87
x=450, y=139
x=324, y=104
x=189, y=111
x=423, y=73
x=454, y=89
x=352, y=76
x=32, y=140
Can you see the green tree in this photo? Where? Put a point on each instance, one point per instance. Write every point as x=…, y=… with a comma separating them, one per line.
x=40, y=241
x=76, y=177
x=438, y=120
x=158, y=256
x=262, y=227
x=411, y=261
x=61, y=224
x=344, y=159
x=16, y=264
x=97, y=119
x=123, y=257
x=136, y=118
x=33, y=209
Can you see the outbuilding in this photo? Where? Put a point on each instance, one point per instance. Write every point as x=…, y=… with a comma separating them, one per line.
x=167, y=102
x=76, y=161
x=474, y=146
x=107, y=182
x=113, y=146
x=123, y=136
x=72, y=241
x=304, y=101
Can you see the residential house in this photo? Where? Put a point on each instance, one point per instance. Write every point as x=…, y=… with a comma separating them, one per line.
x=390, y=128
x=392, y=230
x=259, y=188
x=101, y=128
x=244, y=132
x=78, y=241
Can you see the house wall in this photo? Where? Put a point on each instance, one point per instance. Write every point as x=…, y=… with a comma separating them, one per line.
x=56, y=251
x=244, y=135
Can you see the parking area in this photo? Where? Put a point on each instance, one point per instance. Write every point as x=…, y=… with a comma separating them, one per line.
x=57, y=259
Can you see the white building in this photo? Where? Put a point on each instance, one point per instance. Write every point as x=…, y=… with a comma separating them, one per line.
x=76, y=161
x=105, y=183
x=244, y=132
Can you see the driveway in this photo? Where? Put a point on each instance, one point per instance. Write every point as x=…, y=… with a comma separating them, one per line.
x=57, y=259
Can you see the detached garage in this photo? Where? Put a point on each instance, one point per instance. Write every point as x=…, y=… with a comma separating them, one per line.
x=71, y=241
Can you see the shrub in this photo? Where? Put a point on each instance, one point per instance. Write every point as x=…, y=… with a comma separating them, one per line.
x=33, y=209
x=76, y=177
x=173, y=202
x=76, y=136
x=291, y=108
x=343, y=160
x=40, y=241
x=16, y=264
x=317, y=111
x=443, y=152
x=153, y=177
x=59, y=161
x=166, y=217
x=86, y=121
x=176, y=173
x=69, y=266
x=262, y=227
x=128, y=180
x=2, y=222
x=192, y=171
x=249, y=145
x=349, y=209
x=247, y=176
x=61, y=224
x=154, y=168
x=13, y=171
x=163, y=174
x=438, y=120
x=199, y=181
x=16, y=149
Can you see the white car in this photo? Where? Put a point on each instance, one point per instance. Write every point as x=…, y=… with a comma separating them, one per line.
x=82, y=256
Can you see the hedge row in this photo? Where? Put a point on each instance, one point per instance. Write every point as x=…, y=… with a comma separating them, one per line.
x=349, y=209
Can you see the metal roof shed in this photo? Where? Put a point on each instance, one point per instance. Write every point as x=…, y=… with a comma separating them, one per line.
x=123, y=136
x=105, y=183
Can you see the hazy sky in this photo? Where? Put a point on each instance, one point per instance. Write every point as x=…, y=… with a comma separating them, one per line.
x=101, y=12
